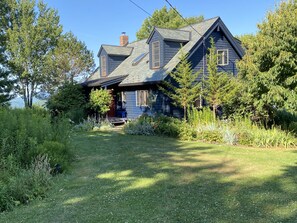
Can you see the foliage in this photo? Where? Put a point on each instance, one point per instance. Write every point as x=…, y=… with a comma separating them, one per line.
x=68, y=61
x=154, y=125
x=200, y=117
x=33, y=33
x=141, y=126
x=6, y=82
x=91, y=124
x=30, y=144
x=188, y=88
x=70, y=101
x=269, y=66
x=164, y=18
x=20, y=186
x=100, y=100
x=218, y=87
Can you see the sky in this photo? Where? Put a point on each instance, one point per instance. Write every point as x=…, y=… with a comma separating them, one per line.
x=97, y=22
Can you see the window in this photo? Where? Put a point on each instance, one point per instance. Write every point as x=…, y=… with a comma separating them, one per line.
x=223, y=57
x=103, y=66
x=138, y=59
x=141, y=98
x=156, y=54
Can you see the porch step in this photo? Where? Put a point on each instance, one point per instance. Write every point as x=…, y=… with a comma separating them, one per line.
x=115, y=120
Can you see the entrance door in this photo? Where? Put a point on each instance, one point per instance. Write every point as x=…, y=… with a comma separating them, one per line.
x=112, y=111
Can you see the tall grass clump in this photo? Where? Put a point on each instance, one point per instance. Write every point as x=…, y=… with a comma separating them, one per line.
x=31, y=145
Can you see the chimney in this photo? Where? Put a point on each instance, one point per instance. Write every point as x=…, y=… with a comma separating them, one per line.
x=124, y=39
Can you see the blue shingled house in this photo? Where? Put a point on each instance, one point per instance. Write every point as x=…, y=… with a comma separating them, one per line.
x=132, y=71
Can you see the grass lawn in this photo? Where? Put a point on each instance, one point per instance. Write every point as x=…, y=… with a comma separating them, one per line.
x=121, y=178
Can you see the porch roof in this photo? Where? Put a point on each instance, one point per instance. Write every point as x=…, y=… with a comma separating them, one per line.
x=106, y=81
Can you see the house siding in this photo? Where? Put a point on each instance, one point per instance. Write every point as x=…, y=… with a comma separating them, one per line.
x=221, y=43
x=161, y=105
x=114, y=62
x=170, y=49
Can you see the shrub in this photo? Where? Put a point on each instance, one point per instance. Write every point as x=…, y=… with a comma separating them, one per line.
x=187, y=132
x=26, y=136
x=23, y=185
x=166, y=126
x=139, y=128
x=69, y=101
x=57, y=153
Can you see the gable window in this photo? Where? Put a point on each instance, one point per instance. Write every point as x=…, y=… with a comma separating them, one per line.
x=103, y=66
x=223, y=57
x=141, y=98
x=156, y=54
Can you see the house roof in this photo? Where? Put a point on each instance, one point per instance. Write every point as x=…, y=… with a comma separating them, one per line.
x=171, y=34
x=107, y=81
x=141, y=73
x=116, y=50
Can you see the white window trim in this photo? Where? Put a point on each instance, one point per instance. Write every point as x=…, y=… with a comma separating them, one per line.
x=153, y=53
x=137, y=102
x=103, y=75
x=224, y=62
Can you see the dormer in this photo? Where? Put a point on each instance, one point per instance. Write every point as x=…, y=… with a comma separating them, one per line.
x=164, y=44
x=110, y=57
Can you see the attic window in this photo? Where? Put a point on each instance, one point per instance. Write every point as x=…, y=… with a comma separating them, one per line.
x=156, y=54
x=223, y=57
x=103, y=66
x=138, y=59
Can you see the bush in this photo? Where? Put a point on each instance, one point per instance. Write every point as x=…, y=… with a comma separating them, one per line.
x=187, y=132
x=28, y=141
x=21, y=186
x=91, y=124
x=69, y=101
x=166, y=126
x=139, y=127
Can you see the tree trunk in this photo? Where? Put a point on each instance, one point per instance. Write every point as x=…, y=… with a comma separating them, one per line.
x=185, y=113
x=214, y=109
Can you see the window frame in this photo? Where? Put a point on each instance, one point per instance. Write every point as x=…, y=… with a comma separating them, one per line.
x=154, y=53
x=138, y=100
x=103, y=65
x=224, y=63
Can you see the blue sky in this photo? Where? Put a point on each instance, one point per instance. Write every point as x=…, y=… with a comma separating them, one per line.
x=99, y=22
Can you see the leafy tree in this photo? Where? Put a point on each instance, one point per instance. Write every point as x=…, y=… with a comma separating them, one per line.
x=164, y=18
x=185, y=91
x=69, y=60
x=69, y=100
x=269, y=67
x=33, y=33
x=6, y=82
x=100, y=100
x=217, y=87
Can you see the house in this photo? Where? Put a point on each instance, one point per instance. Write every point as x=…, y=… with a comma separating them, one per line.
x=132, y=71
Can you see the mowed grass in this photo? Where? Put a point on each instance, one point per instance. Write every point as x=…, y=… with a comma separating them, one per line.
x=122, y=178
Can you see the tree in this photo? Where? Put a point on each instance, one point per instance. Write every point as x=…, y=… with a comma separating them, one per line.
x=68, y=100
x=69, y=60
x=217, y=87
x=6, y=82
x=186, y=89
x=100, y=100
x=269, y=67
x=33, y=33
x=164, y=18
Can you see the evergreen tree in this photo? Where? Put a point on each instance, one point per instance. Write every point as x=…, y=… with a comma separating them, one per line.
x=217, y=86
x=184, y=89
x=269, y=68
x=164, y=18
x=33, y=33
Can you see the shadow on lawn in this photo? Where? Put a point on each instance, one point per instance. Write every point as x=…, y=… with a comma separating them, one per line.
x=152, y=179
